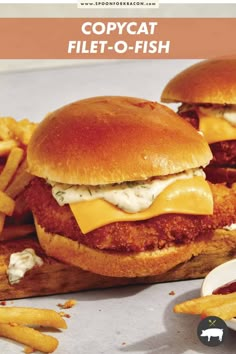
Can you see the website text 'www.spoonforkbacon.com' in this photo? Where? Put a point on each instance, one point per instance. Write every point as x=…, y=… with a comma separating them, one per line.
x=151, y=4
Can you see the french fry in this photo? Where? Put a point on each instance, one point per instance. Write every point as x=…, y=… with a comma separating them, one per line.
x=7, y=204
x=14, y=138
x=2, y=221
x=29, y=337
x=22, y=167
x=16, y=231
x=197, y=306
x=6, y=146
x=23, y=130
x=225, y=311
x=16, y=130
x=6, y=125
x=32, y=316
x=13, y=161
x=1, y=168
x=21, y=180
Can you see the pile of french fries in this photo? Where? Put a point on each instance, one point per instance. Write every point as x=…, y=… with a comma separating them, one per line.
x=223, y=306
x=14, y=322
x=14, y=138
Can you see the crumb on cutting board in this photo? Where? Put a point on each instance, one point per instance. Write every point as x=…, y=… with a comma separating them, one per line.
x=63, y=314
x=68, y=304
x=172, y=293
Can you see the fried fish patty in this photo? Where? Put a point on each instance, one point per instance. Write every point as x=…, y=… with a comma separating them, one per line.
x=220, y=174
x=191, y=116
x=151, y=234
x=222, y=168
x=224, y=153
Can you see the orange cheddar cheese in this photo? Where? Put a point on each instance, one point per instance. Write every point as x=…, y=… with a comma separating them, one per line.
x=216, y=129
x=187, y=196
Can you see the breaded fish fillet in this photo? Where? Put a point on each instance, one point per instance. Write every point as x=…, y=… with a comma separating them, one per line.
x=137, y=236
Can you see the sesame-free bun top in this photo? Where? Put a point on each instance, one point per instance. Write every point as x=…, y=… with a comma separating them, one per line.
x=210, y=81
x=113, y=139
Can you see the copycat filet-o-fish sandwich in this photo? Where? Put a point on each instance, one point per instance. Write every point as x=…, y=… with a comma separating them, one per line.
x=207, y=91
x=119, y=188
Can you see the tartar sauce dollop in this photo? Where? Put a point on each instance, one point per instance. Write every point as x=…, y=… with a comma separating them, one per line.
x=20, y=263
x=231, y=227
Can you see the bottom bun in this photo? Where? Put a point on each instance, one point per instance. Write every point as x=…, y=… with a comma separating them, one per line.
x=129, y=264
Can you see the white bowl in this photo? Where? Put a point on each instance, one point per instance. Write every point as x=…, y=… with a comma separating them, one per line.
x=219, y=276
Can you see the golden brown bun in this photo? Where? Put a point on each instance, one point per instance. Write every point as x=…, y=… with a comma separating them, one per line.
x=210, y=81
x=129, y=265
x=114, y=139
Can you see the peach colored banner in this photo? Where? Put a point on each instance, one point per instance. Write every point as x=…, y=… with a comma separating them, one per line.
x=116, y=38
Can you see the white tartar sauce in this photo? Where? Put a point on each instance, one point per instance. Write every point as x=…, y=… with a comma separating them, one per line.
x=20, y=263
x=131, y=197
x=231, y=227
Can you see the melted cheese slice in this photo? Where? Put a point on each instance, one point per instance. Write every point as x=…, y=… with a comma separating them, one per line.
x=188, y=196
x=216, y=129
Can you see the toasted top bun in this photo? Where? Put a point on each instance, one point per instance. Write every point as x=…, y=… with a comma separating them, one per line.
x=210, y=81
x=114, y=139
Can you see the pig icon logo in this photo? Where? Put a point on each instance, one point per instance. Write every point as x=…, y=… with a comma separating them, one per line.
x=212, y=331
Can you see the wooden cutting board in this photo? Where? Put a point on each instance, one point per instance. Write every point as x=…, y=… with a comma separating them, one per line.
x=54, y=277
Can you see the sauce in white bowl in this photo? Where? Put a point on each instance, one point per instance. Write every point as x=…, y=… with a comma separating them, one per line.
x=219, y=276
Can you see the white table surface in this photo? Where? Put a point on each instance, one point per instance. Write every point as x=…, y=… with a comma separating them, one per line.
x=134, y=319
x=32, y=93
